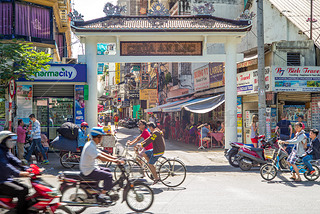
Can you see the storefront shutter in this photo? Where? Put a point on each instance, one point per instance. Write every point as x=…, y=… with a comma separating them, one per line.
x=53, y=90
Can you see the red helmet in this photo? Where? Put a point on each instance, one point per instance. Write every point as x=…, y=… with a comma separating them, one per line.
x=84, y=124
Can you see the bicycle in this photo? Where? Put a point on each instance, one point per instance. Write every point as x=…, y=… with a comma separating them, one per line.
x=172, y=172
x=269, y=170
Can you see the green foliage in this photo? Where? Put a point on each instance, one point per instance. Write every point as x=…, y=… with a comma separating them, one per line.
x=19, y=59
x=168, y=78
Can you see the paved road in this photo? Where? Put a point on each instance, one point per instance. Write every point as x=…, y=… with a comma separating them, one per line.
x=212, y=186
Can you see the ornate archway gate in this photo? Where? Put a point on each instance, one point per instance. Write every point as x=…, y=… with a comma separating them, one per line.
x=142, y=39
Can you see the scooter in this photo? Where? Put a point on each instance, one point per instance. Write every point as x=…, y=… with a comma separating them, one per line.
x=41, y=201
x=250, y=156
x=232, y=154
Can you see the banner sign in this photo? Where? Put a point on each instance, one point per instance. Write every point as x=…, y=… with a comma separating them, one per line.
x=239, y=119
x=174, y=48
x=216, y=74
x=24, y=102
x=247, y=82
x=296, y=78
x=80, y=105
x=201, y=78
x=117, y=76
x=106, y=49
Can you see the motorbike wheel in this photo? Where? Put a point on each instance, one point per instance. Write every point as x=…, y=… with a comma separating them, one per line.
x=268, y=172
x=243, y=165
x=233, y=158
x=283, y=163
x=140, y=197
x=63, y=210
x=314, y=176
x=64, y=159
x=69, y=195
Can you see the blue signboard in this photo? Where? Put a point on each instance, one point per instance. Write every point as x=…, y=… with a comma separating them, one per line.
x=79, y=104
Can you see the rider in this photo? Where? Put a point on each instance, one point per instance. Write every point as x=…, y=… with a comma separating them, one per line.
x=8, y=168
x=159, y=146
x=313, y=152
x=299, y=140
x=89, y=166
x=82, y=137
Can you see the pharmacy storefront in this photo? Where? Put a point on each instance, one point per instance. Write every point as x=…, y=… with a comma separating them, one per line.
x=54, y=96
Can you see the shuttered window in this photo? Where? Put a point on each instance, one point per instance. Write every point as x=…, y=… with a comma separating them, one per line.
x=293, y=59
x=53, y=90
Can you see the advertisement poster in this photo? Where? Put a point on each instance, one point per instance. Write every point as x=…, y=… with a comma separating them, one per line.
x=247, y=82
x=79, y=103
x=106, y=49
x=117, y=75
x=24, y=102
x=296, y=78
x=201, y=78
x=100, y=67
x=216, y=74
x=239, y=119
x=315, y=111
x=293, y=112
x=273, y=121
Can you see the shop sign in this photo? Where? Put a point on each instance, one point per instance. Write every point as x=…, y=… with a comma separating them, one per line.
x=125, y=104
x=106, y=49
x=296, y=78
x=247, y=63
x=216, y=74
x=239, y=119
x=61, y=73
x=201, y=78
x=79, y=104
x=117, y=76
x=247, y=82
x=24, y=102
x=149, y=94
x=174, y=48
x=134, y=94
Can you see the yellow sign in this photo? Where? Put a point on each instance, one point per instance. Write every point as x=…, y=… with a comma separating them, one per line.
x=117, y=76
x=149, y=94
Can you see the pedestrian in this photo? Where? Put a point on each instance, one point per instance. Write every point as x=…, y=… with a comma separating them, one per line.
x=36, y=139
x=285, y=128
x=254, y=131
x=21, y=138
x=300, y=119
x=45, y=145
x=116, y=121
x=152, y=119
x=167, y=121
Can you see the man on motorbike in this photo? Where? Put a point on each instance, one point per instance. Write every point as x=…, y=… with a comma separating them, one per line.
x=8, y=168
x=82, y=137
x=89, y=166
x=299, y=140
x=313, y=152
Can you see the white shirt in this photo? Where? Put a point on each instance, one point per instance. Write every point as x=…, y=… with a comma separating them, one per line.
x=152, y=119
x=88, y=159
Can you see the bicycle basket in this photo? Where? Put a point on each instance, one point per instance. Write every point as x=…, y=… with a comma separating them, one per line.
x=268, y=153
x=108, y=141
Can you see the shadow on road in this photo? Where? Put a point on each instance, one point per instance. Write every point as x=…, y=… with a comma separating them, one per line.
x=218, y=168
x=290, y=183
x=167, y=189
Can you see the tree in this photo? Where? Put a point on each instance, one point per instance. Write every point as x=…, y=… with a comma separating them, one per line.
x=20, y=60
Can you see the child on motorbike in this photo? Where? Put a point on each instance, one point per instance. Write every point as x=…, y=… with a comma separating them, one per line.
x=313, y=152
x=299, y=141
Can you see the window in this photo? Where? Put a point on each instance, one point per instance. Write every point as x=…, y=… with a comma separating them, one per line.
x=293, y=59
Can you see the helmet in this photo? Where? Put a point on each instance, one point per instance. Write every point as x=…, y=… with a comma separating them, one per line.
x=8, y=143
x=84, y=124
x=95, y=131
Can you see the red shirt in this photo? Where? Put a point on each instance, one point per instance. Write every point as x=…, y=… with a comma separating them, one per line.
x=116, y=119
x=145, y=135
x=167, y=121
x=21, y=134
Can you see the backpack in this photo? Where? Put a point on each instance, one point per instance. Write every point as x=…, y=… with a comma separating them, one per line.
x=69, y=130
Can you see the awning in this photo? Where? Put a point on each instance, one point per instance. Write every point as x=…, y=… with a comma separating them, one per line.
x=180, y=106
x=205, y=106
x=169, y=104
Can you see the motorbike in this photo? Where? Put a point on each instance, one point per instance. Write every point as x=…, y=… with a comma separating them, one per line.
x=232, y=154
x=131, y=123
x=79, y=192
x=250, y=156
x=39, y=202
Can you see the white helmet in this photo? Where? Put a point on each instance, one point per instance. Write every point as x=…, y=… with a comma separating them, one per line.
x=9, y=143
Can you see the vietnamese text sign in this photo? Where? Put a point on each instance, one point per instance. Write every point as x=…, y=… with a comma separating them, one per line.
x=117, y=76
x=149, y=94
x=201, y=78
x=247, y=82
x=174, y=48
x=296, y=78
x=216, y=74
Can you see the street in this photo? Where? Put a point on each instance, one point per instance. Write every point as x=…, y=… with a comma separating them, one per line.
x=213, y=186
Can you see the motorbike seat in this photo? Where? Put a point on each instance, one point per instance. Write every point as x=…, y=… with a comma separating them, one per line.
x=256, y=149
x=77, y=175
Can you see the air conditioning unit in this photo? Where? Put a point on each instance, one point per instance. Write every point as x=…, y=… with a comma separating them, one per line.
x=66, y=60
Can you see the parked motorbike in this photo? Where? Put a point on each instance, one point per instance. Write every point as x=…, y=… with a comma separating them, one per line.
x=41, y=201
x=232, y=154
x=131, y=123
x=79, y=192
x=250, y=156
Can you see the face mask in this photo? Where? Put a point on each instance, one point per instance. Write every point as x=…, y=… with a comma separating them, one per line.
x=10, y=143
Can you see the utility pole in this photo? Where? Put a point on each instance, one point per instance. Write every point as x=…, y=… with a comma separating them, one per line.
x=261, y=70
x=311, y=18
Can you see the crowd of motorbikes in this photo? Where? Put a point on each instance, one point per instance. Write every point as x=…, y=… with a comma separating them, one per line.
x=128, y=122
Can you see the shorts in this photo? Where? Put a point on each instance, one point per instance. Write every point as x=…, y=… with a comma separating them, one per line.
x=142, y=151
x=293, y=157
x=254, y=140
x=116, y=123
x=152, y=159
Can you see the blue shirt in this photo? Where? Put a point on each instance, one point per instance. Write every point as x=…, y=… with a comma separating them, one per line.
x=81, y=138
x=205, y=132
x=36, y=130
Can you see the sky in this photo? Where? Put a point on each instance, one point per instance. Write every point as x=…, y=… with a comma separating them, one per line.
x=91, y=9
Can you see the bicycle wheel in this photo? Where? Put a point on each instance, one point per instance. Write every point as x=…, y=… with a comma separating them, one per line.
x=159, y=162
x=133, y=169
x=268, y=171
x=172, y=173
x=314, y=176
x=72, y=195
x=139, y=197
x=65, y=160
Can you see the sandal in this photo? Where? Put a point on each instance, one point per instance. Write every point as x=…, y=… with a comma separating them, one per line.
x=156, y=181
x=293, y=178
